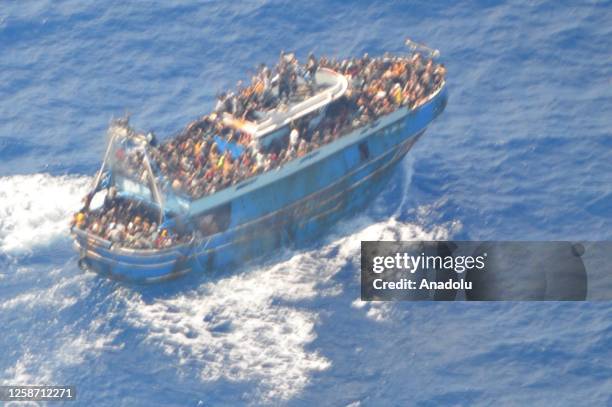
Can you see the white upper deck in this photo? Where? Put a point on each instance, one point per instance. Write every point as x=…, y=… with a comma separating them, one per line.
x=331, y=86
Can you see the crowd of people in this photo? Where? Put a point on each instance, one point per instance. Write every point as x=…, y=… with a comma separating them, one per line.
x=127, y=223
x=269, y=87
x=197, y=162
x=194, y=164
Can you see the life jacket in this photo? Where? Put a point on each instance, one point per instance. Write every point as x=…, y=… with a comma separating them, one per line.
x=397, y=95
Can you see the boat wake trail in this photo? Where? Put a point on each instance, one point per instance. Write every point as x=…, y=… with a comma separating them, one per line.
x=35, y=209
x=256, y=326
x=254, y=329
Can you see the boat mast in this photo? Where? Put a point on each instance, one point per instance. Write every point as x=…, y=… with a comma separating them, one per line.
x=98, y=178
x=156, y=194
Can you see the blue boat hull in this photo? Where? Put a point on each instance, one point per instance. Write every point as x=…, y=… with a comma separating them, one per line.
x=291, y=209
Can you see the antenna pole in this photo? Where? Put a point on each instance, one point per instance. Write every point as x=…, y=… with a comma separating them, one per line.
x=154, y=187
x=413, y=45
x=98, y=178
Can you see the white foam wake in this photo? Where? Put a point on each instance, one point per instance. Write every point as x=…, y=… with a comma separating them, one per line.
x=250, y=326
x=35, y=209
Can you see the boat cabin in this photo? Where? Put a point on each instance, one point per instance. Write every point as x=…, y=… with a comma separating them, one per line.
x=275, y=123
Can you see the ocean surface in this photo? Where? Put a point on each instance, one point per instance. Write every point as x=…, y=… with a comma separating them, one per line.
x=522, y=152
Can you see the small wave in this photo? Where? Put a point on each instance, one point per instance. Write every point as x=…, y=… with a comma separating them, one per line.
x=35, y=209
x=54, y=341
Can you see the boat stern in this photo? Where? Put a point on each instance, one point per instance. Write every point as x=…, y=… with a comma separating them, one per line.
x=140, y=266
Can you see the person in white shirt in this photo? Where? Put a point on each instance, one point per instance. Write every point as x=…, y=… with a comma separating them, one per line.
x=294, y=137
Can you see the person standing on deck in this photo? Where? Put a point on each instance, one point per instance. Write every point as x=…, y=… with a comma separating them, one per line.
x=311, y=67
x=284, y=86
x=283, y=77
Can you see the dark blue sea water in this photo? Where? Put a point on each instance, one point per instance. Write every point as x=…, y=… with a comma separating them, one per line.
x=523, y=151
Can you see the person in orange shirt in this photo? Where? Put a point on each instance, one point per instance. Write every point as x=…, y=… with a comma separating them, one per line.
x=228, y=166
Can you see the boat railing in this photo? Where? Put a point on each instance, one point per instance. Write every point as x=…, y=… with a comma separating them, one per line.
x=431, y=96
x=246, y=182
x=310, y=156
x=91, y=239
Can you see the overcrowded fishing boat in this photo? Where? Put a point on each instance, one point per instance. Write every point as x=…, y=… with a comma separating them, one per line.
x=274, y=164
